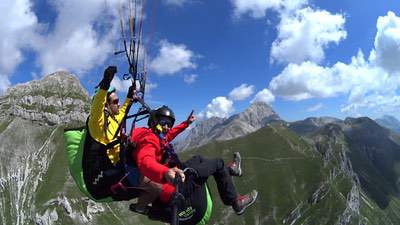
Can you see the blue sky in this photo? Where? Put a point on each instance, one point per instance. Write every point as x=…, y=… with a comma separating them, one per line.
x=304, y=58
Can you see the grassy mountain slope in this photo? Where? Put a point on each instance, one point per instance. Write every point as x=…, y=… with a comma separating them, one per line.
x=289, y=176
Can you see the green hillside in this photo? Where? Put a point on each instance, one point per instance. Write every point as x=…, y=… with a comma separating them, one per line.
x=289, y=175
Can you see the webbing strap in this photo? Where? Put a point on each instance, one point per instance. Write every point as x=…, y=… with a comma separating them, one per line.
x=113, y=143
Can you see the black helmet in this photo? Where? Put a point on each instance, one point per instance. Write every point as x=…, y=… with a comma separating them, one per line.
x=156, y=115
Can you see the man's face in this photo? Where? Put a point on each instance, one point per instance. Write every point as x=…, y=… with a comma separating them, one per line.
x=113, y=102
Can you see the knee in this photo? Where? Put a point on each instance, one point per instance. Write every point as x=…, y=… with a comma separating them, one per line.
x=220, y=164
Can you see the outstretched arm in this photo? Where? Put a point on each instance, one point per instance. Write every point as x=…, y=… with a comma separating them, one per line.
x=99, y=100
x=180, y=128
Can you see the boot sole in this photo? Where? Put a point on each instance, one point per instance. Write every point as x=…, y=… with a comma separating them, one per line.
x=251, y=203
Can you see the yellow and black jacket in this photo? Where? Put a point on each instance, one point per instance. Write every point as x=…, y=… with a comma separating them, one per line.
x=101, y=150
x=96, y=124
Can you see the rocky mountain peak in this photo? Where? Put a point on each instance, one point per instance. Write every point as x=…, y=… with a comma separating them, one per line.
x=312, y=124
x=58, y=98
x=256, y=116
x=366, y=127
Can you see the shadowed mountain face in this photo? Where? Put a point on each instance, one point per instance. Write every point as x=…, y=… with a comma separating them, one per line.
x=372, y=151
x=389, y=122
x=375, y=157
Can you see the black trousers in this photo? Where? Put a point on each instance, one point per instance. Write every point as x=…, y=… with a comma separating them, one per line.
x=100, y=174
x=194, y=190
x=214, y=167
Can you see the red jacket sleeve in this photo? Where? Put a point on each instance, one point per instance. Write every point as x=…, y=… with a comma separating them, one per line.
x=146, y=159
x=175, y=131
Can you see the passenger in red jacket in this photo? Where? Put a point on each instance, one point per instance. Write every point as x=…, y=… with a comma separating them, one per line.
x=158, y=165
x=154, y=156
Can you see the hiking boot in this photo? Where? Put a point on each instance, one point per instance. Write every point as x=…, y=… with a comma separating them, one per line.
x=244, y=201
x=234, y=166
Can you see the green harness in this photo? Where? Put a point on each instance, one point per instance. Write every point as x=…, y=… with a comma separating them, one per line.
x=74, y=141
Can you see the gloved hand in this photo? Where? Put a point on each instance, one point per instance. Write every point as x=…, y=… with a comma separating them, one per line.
x=107, y=77
x=169, y=176
x=131, y=92
x=191, y=118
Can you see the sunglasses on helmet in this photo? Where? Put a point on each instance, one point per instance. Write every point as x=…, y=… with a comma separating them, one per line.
x=166, y=121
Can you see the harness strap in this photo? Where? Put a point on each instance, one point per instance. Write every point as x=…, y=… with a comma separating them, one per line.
x=119, y=185
x=113, y=143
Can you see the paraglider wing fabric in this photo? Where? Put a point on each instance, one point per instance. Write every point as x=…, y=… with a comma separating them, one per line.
x=74, y=141
x=207, y=214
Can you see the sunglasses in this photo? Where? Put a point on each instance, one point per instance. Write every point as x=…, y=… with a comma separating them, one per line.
x=115, y=101
x=166, y=121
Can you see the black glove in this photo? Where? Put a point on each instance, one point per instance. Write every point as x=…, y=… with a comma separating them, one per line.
x=107, y=77
x=131, y=92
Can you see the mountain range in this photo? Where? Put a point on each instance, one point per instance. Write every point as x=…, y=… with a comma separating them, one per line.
x=257, y=115
x=314, y=171
x=389, y=122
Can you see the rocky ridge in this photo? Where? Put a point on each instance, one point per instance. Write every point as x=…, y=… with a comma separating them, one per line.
x=253, y=118
x=32, y=118
x=57, y=99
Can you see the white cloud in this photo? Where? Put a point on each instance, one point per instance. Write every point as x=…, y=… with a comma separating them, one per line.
x=4, y=83
x=304, y=35
x=309, y=80
x=315, y=107
x=363, y=83
x=150, y=87
x=289, y=6
x=219, y=107
x=176, y=2
x=242, y=92
x=387, y=43
x=82, y=38
x=172, y=58
x=368, y=84
x=18, y=25
x=35, y=76
x=264, y=96
x=120, y=84
x=258, y=8
x=381, y=104
x=190, y=79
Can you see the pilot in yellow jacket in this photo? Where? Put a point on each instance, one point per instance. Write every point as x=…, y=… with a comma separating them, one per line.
x=100, y=162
